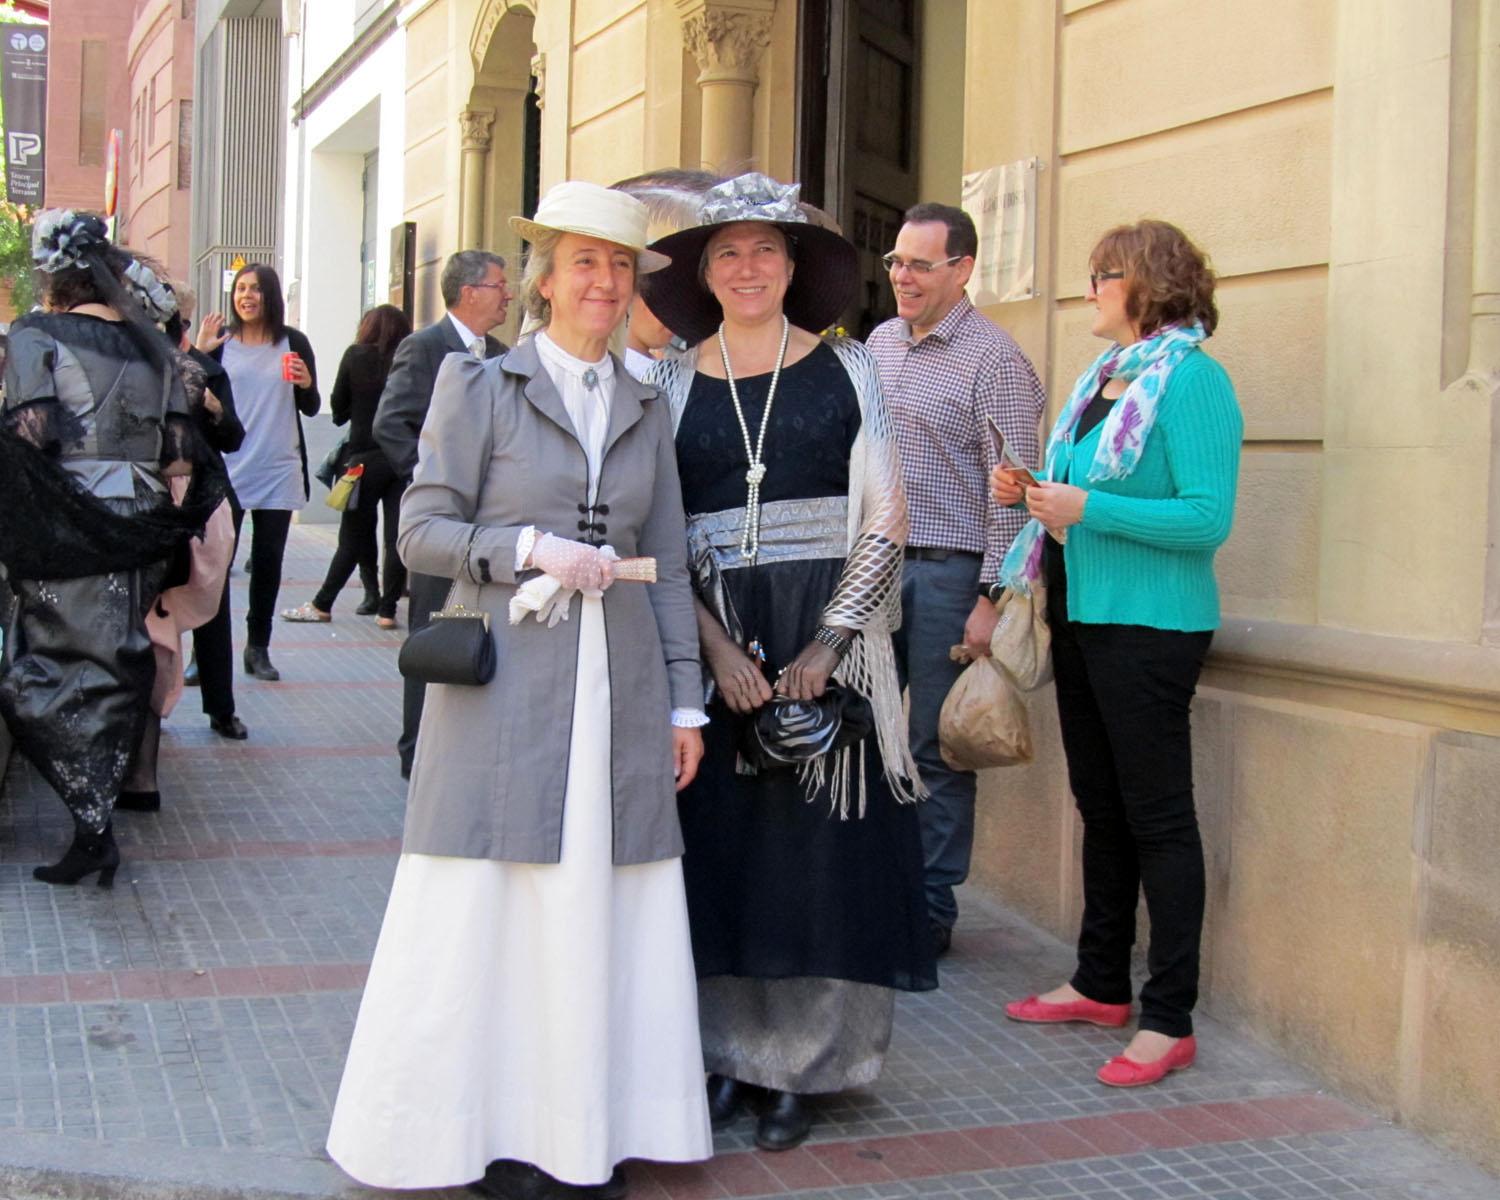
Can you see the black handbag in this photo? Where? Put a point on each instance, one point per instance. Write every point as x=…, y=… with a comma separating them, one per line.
x=455, y=646
x=787, y=733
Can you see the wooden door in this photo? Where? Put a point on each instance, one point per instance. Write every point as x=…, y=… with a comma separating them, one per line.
x=857, y=127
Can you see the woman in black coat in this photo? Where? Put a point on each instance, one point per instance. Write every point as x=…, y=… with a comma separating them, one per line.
x=356, y=395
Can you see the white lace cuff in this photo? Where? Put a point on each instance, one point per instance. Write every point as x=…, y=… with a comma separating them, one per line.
x=689, y=718
x=524, y=543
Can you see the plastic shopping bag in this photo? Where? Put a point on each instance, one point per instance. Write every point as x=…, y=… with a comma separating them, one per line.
x=984, y=721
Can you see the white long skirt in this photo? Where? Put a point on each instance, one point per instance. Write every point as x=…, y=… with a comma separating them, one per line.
x=546, y=1013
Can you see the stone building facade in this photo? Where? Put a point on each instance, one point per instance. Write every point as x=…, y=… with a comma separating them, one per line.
x=1340, y=161
x=88, y=94
x=126, y=67
x=157, y=176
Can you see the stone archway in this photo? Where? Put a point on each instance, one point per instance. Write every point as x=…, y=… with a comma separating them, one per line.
x=499, y=125
x=500, y=133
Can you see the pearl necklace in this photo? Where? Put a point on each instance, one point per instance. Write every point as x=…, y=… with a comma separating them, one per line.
x=750, y=538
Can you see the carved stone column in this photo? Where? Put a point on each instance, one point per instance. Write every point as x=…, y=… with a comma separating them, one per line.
x=539, y=73
x=475, y=124
x=727, y=37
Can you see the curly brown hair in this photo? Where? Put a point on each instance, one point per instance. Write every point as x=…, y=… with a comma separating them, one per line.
x=1167, y=278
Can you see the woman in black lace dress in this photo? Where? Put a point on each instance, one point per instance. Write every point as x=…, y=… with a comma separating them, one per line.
x=804, y=884
x=95, y=419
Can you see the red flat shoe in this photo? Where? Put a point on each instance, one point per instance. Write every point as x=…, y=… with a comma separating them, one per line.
x=1041, y=1012
x=1126, y=1072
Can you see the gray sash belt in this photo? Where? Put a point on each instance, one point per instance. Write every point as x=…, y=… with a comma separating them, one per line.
x=789, y=530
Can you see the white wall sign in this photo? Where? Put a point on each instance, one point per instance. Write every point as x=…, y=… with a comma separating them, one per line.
x=1002, y=201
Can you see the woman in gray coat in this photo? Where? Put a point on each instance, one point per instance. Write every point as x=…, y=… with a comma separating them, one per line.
x=531, y=1012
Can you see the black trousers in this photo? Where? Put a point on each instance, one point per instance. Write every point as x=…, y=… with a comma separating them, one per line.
x=380, y=492
x=1123, y=699
x=213, y=648
x=428, y=592
x=269, y=528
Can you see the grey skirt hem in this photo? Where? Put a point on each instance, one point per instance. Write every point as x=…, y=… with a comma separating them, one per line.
x=803, y=1035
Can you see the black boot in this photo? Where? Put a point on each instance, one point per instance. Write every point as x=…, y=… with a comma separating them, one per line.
x=725, y=1097
x=616, y=1187
x=507, y=1179
x=89, y=852
x=258, y=664
x=190, y=675
x=784, y=1124
x=371, y=603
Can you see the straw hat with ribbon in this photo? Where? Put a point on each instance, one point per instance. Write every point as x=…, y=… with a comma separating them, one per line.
x=594, y=211
x=824, y=282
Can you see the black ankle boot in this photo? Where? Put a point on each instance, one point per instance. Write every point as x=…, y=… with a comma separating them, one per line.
x=725, y=1097
x=139, y=801
x=369, y=606
x=190, y=675
x=784, y=1124
x=508, y=1179
x=258, y=664
x=89, y=852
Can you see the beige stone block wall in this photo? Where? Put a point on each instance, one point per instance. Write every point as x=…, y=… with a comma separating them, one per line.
x=431, y=187
x=1313, y=933
x=608, y=102
x=1251, y=188
x=1259, y=53
x=1349, y=824
x=1455, y=1069
x=1269, y=566
x=1272, y=338
x=1024, y=835
x=1396, y=561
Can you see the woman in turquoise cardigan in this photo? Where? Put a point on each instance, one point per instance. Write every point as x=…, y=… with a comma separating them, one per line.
x=1141, y=469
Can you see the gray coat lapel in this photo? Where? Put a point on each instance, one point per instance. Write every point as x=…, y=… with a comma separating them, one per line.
x=539, y=390
x=625, y=409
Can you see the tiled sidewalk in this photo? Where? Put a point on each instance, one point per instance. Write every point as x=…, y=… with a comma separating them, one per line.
x=183, y=1035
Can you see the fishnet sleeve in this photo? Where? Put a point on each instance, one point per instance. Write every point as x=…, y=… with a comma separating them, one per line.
x=869, y=586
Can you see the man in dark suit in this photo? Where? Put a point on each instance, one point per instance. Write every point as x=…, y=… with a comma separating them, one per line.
x=475, y=294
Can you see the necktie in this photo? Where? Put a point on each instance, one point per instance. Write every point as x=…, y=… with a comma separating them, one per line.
x=476, y=348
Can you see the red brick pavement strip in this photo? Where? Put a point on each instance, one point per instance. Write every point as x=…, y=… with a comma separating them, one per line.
x=175, y=851
x=194, y=852
x=328, y=643
x=221, y=750
x=184, y=983
x=814, y=1167
x=332, y=685
x=956, y=1152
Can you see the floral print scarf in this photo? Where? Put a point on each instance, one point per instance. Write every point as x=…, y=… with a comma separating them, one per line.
x=1145, y=366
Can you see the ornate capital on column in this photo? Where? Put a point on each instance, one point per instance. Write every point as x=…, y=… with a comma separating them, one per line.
x=539, y=73
x=727, y=37
x=475, y=124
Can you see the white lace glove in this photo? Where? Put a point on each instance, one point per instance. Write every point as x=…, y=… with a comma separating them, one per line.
x=589, y=569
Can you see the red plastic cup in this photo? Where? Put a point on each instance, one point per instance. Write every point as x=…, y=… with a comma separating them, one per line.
x=287, y=361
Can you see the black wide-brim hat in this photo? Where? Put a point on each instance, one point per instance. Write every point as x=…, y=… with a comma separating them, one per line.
x=825, y=276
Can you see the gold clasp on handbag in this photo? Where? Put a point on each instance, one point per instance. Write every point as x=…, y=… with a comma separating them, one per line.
x=458, y=610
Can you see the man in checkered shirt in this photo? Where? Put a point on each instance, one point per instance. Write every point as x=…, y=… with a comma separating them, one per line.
x=944, y=369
